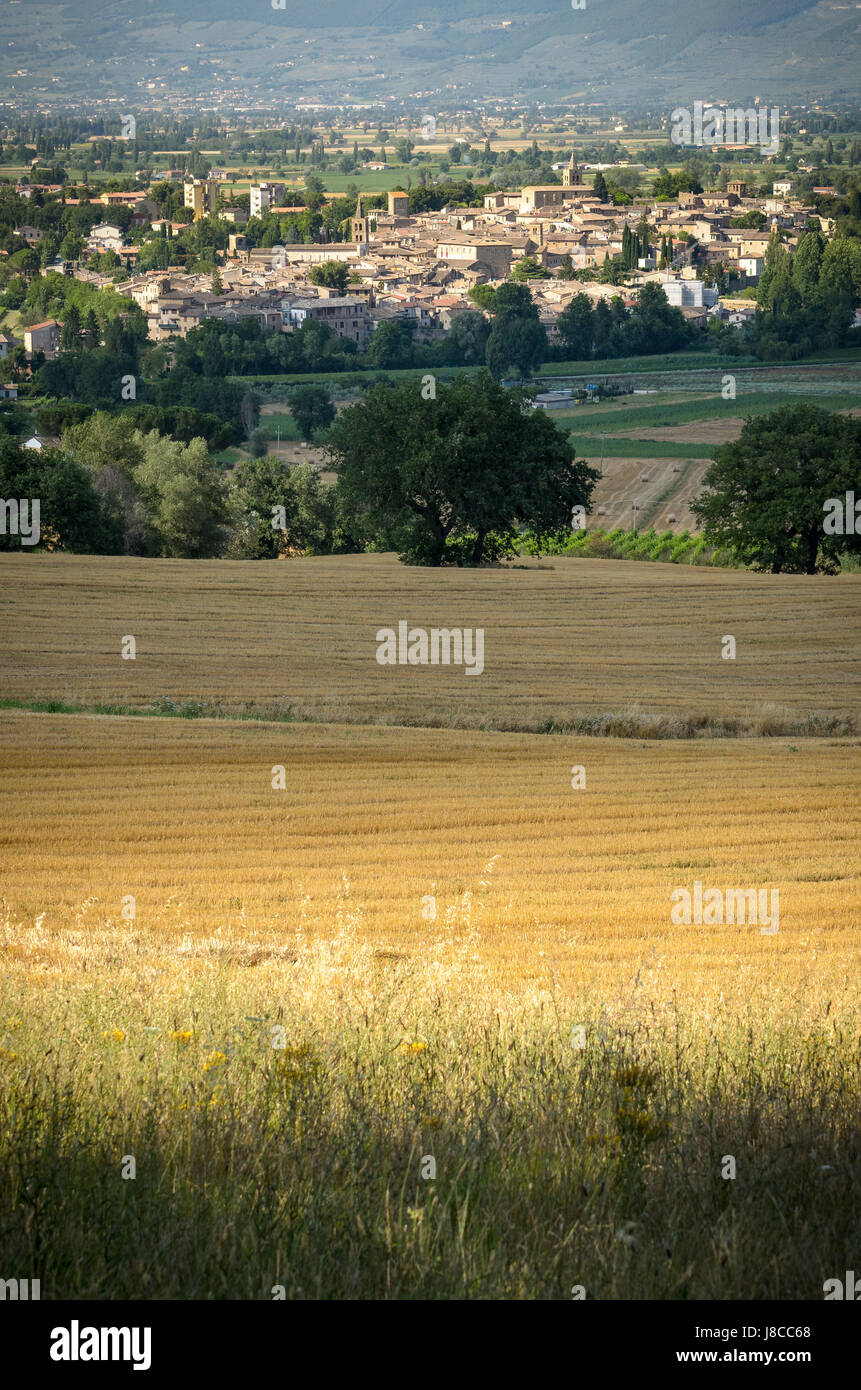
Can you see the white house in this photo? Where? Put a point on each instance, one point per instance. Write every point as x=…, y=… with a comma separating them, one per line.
x=689, y=294
x=106, y=237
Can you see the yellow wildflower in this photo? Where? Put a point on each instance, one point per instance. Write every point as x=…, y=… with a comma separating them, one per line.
x=182, y=1035
x=639, y=1124
x=114, y=1034
x=215, y=1059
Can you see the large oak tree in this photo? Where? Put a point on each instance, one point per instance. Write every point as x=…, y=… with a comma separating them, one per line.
x=768, y=491
x=448, y=472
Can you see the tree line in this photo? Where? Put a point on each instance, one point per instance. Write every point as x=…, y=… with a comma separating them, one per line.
x=467, y=474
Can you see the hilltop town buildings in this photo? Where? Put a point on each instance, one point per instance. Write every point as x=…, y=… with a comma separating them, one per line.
x=419, y=268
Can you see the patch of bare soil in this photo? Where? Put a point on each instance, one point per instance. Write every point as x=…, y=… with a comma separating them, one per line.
x=698, y=432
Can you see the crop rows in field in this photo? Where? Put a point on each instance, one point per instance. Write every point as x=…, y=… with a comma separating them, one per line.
x=546, y=880
x=564, y=638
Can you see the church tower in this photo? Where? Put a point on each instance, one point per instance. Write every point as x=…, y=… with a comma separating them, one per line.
x=360, y=227
x=571, y=176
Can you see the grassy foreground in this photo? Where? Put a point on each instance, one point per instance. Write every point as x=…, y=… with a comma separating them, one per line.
x=415, y=1138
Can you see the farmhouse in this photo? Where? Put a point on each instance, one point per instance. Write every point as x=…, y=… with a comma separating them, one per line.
x=43, y=337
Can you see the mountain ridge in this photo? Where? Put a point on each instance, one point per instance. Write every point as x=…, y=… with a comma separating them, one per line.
x=621, y=51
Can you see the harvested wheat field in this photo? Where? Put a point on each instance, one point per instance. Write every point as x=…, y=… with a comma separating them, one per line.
x=664, y=493
x=565, y=640
x=389, y=1012
x=703, y=432
x=550, y=884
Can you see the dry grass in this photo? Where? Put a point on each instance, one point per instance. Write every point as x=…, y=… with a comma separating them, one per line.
x=565, y=638
x=307, y=1165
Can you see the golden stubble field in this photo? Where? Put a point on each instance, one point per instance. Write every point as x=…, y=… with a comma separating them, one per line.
x=622, y=482
x=563, y=637
x=431, y=840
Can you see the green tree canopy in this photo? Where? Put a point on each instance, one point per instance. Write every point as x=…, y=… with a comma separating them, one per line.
x=70, y=338
x=312, y=409
x=390, y=345
x=515, y=342
x=258, y=443
x=284, y=510
x=105, y=441
x=450, y=477
x=184, y=494
x=72, y=515
x=512, y=300
x=468, y=337
x=484, y=296
x=527, y=268
x=331, y=273
x=517, y=338
x=768, y=491
x=575, y=327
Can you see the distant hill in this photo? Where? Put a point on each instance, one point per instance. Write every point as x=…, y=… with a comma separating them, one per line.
x=611, y=50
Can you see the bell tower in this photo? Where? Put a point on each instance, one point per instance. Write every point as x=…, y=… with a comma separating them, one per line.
x=360, y=227
x=571, y=176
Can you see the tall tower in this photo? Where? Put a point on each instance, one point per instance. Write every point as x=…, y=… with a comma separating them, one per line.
x=360, y=227
x=571, y=176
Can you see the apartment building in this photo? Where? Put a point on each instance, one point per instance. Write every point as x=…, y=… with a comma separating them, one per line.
x=201, y=195
x=264, y=196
